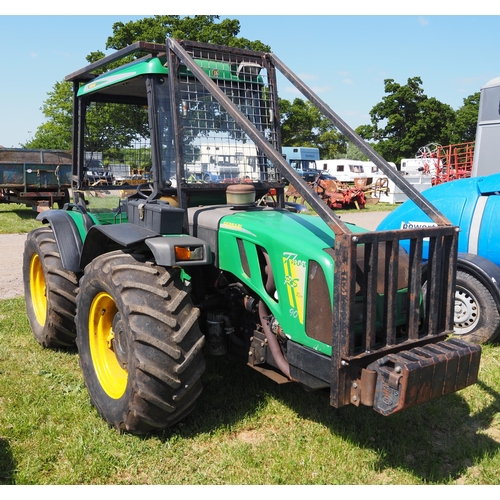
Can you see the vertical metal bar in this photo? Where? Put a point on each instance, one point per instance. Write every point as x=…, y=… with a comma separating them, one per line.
x=74, y=135
x=414, y=288
x=80, y=145
x=343, y=315
x=370, y=305
x=175, y=103
x=449, y=279
x=391, y=288
x=154, y=133
x=434, y=285
x=275, y=117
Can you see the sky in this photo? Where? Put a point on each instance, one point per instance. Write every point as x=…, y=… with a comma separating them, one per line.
x=344, y=56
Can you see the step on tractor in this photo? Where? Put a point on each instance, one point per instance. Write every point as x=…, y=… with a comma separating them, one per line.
x=207, y=258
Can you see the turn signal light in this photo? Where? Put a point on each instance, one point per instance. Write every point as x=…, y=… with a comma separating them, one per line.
x=187, y=253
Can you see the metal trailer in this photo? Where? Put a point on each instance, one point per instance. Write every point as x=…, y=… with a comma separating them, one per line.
x=38, y=178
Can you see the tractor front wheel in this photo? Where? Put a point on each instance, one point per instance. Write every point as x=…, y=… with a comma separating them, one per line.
x=50, y=291
x=139, y=342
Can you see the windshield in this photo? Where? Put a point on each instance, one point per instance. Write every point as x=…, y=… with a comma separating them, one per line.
x=215, y=149
x=303, y=165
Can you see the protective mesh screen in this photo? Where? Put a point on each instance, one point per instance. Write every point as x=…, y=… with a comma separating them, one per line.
x=216, y=149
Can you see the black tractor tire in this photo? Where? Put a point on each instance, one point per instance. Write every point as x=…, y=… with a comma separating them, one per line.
x=477, y=318
x=139, y=342
x=50, y=291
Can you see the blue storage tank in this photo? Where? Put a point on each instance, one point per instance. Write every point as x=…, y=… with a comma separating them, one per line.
x=472, y=204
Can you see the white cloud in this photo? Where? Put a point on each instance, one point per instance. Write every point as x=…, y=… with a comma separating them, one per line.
x=423, y=21
x=307, y=77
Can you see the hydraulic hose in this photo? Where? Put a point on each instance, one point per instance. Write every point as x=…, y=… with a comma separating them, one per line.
x=264, y=314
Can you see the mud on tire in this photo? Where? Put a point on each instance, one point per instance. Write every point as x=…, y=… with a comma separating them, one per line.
x=139, y=342
x=50, y=291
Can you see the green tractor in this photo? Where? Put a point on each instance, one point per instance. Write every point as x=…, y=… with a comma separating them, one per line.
x=205, y=256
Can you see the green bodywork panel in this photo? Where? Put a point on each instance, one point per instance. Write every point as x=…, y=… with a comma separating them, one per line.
x=291, y=241
x=97, y=219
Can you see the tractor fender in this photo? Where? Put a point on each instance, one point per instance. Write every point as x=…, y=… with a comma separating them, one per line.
x=67, y=236
x=105, y=238
x=101, y=239
x=484, y=270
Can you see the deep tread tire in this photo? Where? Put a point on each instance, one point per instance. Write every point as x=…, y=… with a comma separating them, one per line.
x=477, y=318
x=50, y=291
x=139, y=343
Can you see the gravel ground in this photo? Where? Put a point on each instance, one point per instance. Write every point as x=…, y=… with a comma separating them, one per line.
x=12, y=246
x=11, y=265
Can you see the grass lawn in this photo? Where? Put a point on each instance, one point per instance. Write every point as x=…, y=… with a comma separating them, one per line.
x=16, y=218
x=245, y=429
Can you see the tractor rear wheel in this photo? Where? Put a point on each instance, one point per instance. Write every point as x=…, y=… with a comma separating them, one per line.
x=139, y=342
x=50, y=291
x=476, y=317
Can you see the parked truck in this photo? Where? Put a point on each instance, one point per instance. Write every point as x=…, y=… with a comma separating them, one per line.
x=303, y=160
x=471, y=201
x=38, y=178
x=151, y=285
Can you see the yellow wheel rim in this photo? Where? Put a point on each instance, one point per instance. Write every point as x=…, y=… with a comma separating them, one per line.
x=38, y=289
x=111, y=375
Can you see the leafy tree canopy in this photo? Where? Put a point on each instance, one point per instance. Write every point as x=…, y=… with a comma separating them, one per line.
x=302, y=124
x=464, y=127
x=406, y=119
x=108, y=124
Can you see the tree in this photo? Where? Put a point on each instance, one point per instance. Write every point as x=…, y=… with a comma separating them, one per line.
x=302, y=124
x=464, y=127
x=108, y=124
x=353, y=153
x=56, y=132
x=406, y=120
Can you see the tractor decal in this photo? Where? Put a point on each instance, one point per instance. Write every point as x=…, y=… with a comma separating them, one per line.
x=235, y=226
x=295, y=271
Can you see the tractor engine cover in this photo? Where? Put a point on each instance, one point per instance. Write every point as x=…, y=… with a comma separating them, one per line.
x=421, y=374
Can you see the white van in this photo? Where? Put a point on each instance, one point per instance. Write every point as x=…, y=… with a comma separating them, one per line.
x=344, y=170
x=372, y=170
